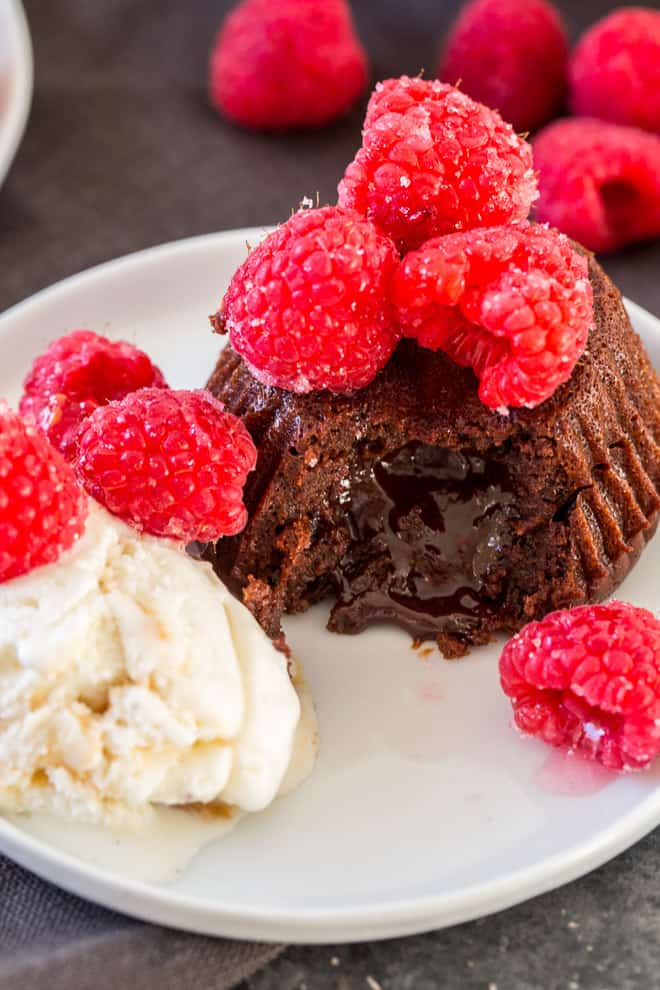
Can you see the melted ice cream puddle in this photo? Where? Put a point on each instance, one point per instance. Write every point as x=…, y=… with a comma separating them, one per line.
x=161, y=852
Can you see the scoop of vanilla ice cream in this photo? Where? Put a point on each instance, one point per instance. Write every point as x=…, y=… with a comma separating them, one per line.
x=130, y=677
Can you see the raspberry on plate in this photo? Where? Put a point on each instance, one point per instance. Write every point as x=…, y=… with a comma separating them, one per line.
x=599, y=182
x=42, y=507
x=588, y=679
x=513, y=303
x=171, y=463
x=291, y=64
x=509, y=54
x=433, y=162
x=310, y=308
x=75, y=375
x=614, y=71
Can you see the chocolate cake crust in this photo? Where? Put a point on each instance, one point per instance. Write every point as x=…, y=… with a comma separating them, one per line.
x=497, y=519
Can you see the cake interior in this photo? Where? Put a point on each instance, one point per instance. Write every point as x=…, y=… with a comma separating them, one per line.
x=429, y=530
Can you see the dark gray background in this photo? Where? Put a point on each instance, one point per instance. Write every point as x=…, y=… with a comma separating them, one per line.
x=122, y=152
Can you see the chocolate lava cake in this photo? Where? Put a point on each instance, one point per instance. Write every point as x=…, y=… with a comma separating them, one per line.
x=411, y=502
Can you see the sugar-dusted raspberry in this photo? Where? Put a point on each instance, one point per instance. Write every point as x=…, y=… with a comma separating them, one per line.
x=588, y=678
x=614, y=71
x=509, y=54
x=598, y=182
x=310, y=308
x=171, y=463
x=42, y=507
x=513, y=303
x=290, y=64
x=75, y=375
x=433, y=161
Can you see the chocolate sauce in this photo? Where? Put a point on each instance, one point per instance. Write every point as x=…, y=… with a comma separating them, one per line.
x=431, y=528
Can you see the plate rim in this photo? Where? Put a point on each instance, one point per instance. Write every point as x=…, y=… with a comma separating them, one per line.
x=162, y=905
x=319, y=925
x=22, y=91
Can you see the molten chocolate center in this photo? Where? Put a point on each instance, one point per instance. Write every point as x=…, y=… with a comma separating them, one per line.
x=431, y=528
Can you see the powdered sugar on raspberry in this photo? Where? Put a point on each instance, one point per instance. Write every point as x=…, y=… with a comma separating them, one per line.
x=513, y=303
x=172, y=463
x=311, y=306
x=433, y=161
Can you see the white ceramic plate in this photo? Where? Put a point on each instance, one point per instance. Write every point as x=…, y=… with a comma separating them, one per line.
x=425, y=808
x=15, y=80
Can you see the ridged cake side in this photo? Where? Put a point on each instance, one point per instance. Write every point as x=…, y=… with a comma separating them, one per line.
x=584, y=466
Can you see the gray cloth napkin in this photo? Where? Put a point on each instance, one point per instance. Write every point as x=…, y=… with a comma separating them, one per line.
x=51, y=939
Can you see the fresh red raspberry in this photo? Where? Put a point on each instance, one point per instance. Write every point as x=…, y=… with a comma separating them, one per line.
x=614, y=71
x=171, y=463
x=42, y=507
x=433, y=161
x=598, y=182
x=310, y=307
x=290, y=64
x=513, y=303
x=509, y=54
x=75, y=375
x=588, y=678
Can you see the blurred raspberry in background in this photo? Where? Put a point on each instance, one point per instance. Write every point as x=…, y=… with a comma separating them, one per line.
x=510, y=55
x=599, y=182
x=286, y=65
x=615, y=69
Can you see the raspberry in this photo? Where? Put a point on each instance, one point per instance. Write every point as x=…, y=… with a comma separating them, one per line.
x=433, y=161
x=172, y=463
x=285, y=65
x=509, y=54
x=513, y=303
x=42, y=507
x=599, y=183
x=310, y=308
x=614, y=71
x=589, y=678
x=75, y=375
